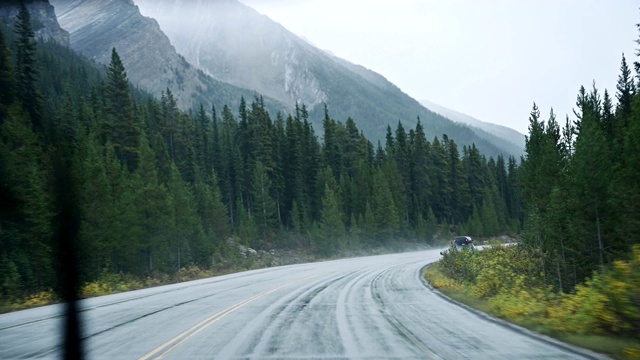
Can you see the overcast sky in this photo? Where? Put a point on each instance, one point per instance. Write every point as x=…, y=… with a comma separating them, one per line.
x=489, y=59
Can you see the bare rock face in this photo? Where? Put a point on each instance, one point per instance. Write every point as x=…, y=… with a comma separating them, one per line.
x=151, y=61
x=235, y=44
x=43, y=19
x=98, y=26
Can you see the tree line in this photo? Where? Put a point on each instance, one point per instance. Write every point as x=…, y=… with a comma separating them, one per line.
x=143, y=187
x=579, y=183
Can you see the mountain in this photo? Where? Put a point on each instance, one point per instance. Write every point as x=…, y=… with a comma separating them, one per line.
x=43, y=18
x=514, y=137
x=506, y=139
x=152, y=63
x=235, y=44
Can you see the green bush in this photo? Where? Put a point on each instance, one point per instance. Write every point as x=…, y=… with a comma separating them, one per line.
x=509, y=279
x=608, y=302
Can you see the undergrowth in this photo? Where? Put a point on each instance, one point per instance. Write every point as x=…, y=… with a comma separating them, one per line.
x=602, y=314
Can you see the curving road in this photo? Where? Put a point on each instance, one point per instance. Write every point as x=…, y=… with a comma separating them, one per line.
x=362, y=308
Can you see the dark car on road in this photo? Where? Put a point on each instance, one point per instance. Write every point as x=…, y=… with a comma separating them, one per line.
x=462, y=242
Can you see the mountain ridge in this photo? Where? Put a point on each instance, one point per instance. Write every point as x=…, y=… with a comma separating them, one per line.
x=98, y=26
x=506, y=138
x=227, y=38
x=311, y=75
x=45, y=23
x=515, y=137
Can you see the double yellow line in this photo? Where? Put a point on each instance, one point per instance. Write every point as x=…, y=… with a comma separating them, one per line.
x=164, y=349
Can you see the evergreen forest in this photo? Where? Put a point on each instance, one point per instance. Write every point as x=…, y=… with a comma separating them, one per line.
x=92, y=167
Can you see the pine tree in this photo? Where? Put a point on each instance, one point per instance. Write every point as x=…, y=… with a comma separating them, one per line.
x=474, y=225
x=514, y=206
x=96, y=201
x=591, y=176
x=215, y=141
x=169, y=121
x=489, y=217
x=390, y=143
x=608, y=118
x=332, y=227
x=461, y=201
x=247, y=229
x=151, y=203
x=616, y=127
x=7, y=80
x=331, y=150
x=540, y=172
x=402, y=155
x=10, y=280
x=420, y=182
x=263, y=207
x=122, y=125
x=187, y=242
x=439, y=175
x=203, y=145
x=262, y=132
x=279, y=155
x=385, y=212
x=625, y=187
x=293, y=170
x=311, y=155
x=26, y=68
x=24, y=174
x=625, y=90
x=230, y=165
x=185, y=148
x=431, y=227
x=213, y=213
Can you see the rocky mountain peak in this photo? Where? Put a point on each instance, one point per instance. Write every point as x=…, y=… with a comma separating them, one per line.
x=152, y=63
x=235, y=44
x=43, y=19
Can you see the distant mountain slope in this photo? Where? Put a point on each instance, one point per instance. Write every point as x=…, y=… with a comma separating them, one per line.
x=503, y=132
x=152, y=63
x=235, y=44
x=509, y=140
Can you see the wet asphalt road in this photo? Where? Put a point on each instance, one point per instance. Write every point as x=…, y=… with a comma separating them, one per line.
x=361, y=308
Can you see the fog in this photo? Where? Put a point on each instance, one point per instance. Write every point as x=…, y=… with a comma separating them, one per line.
x=489, y=59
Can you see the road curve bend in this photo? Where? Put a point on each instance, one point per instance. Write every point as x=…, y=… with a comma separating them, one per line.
x=372, y=307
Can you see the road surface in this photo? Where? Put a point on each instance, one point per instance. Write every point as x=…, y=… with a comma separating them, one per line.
x=362, y=308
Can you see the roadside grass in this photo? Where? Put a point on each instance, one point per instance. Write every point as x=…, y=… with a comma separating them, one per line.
x=614, y=346
x=108, y=284
x=34, y=300
x=454, y=290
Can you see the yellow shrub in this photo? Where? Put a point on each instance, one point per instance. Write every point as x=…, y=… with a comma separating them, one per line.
x=491, y=279
x=134, y=284
x=557, y=316
x=439, y=281
x=509, y=278
x=529, y=304
x=631, y=353
x=587, y=311
x=191, y=272
x=39, y=299
x=96, y=288
x=153, y=281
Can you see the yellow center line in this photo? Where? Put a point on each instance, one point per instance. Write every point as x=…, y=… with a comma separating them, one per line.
x=183, y=337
